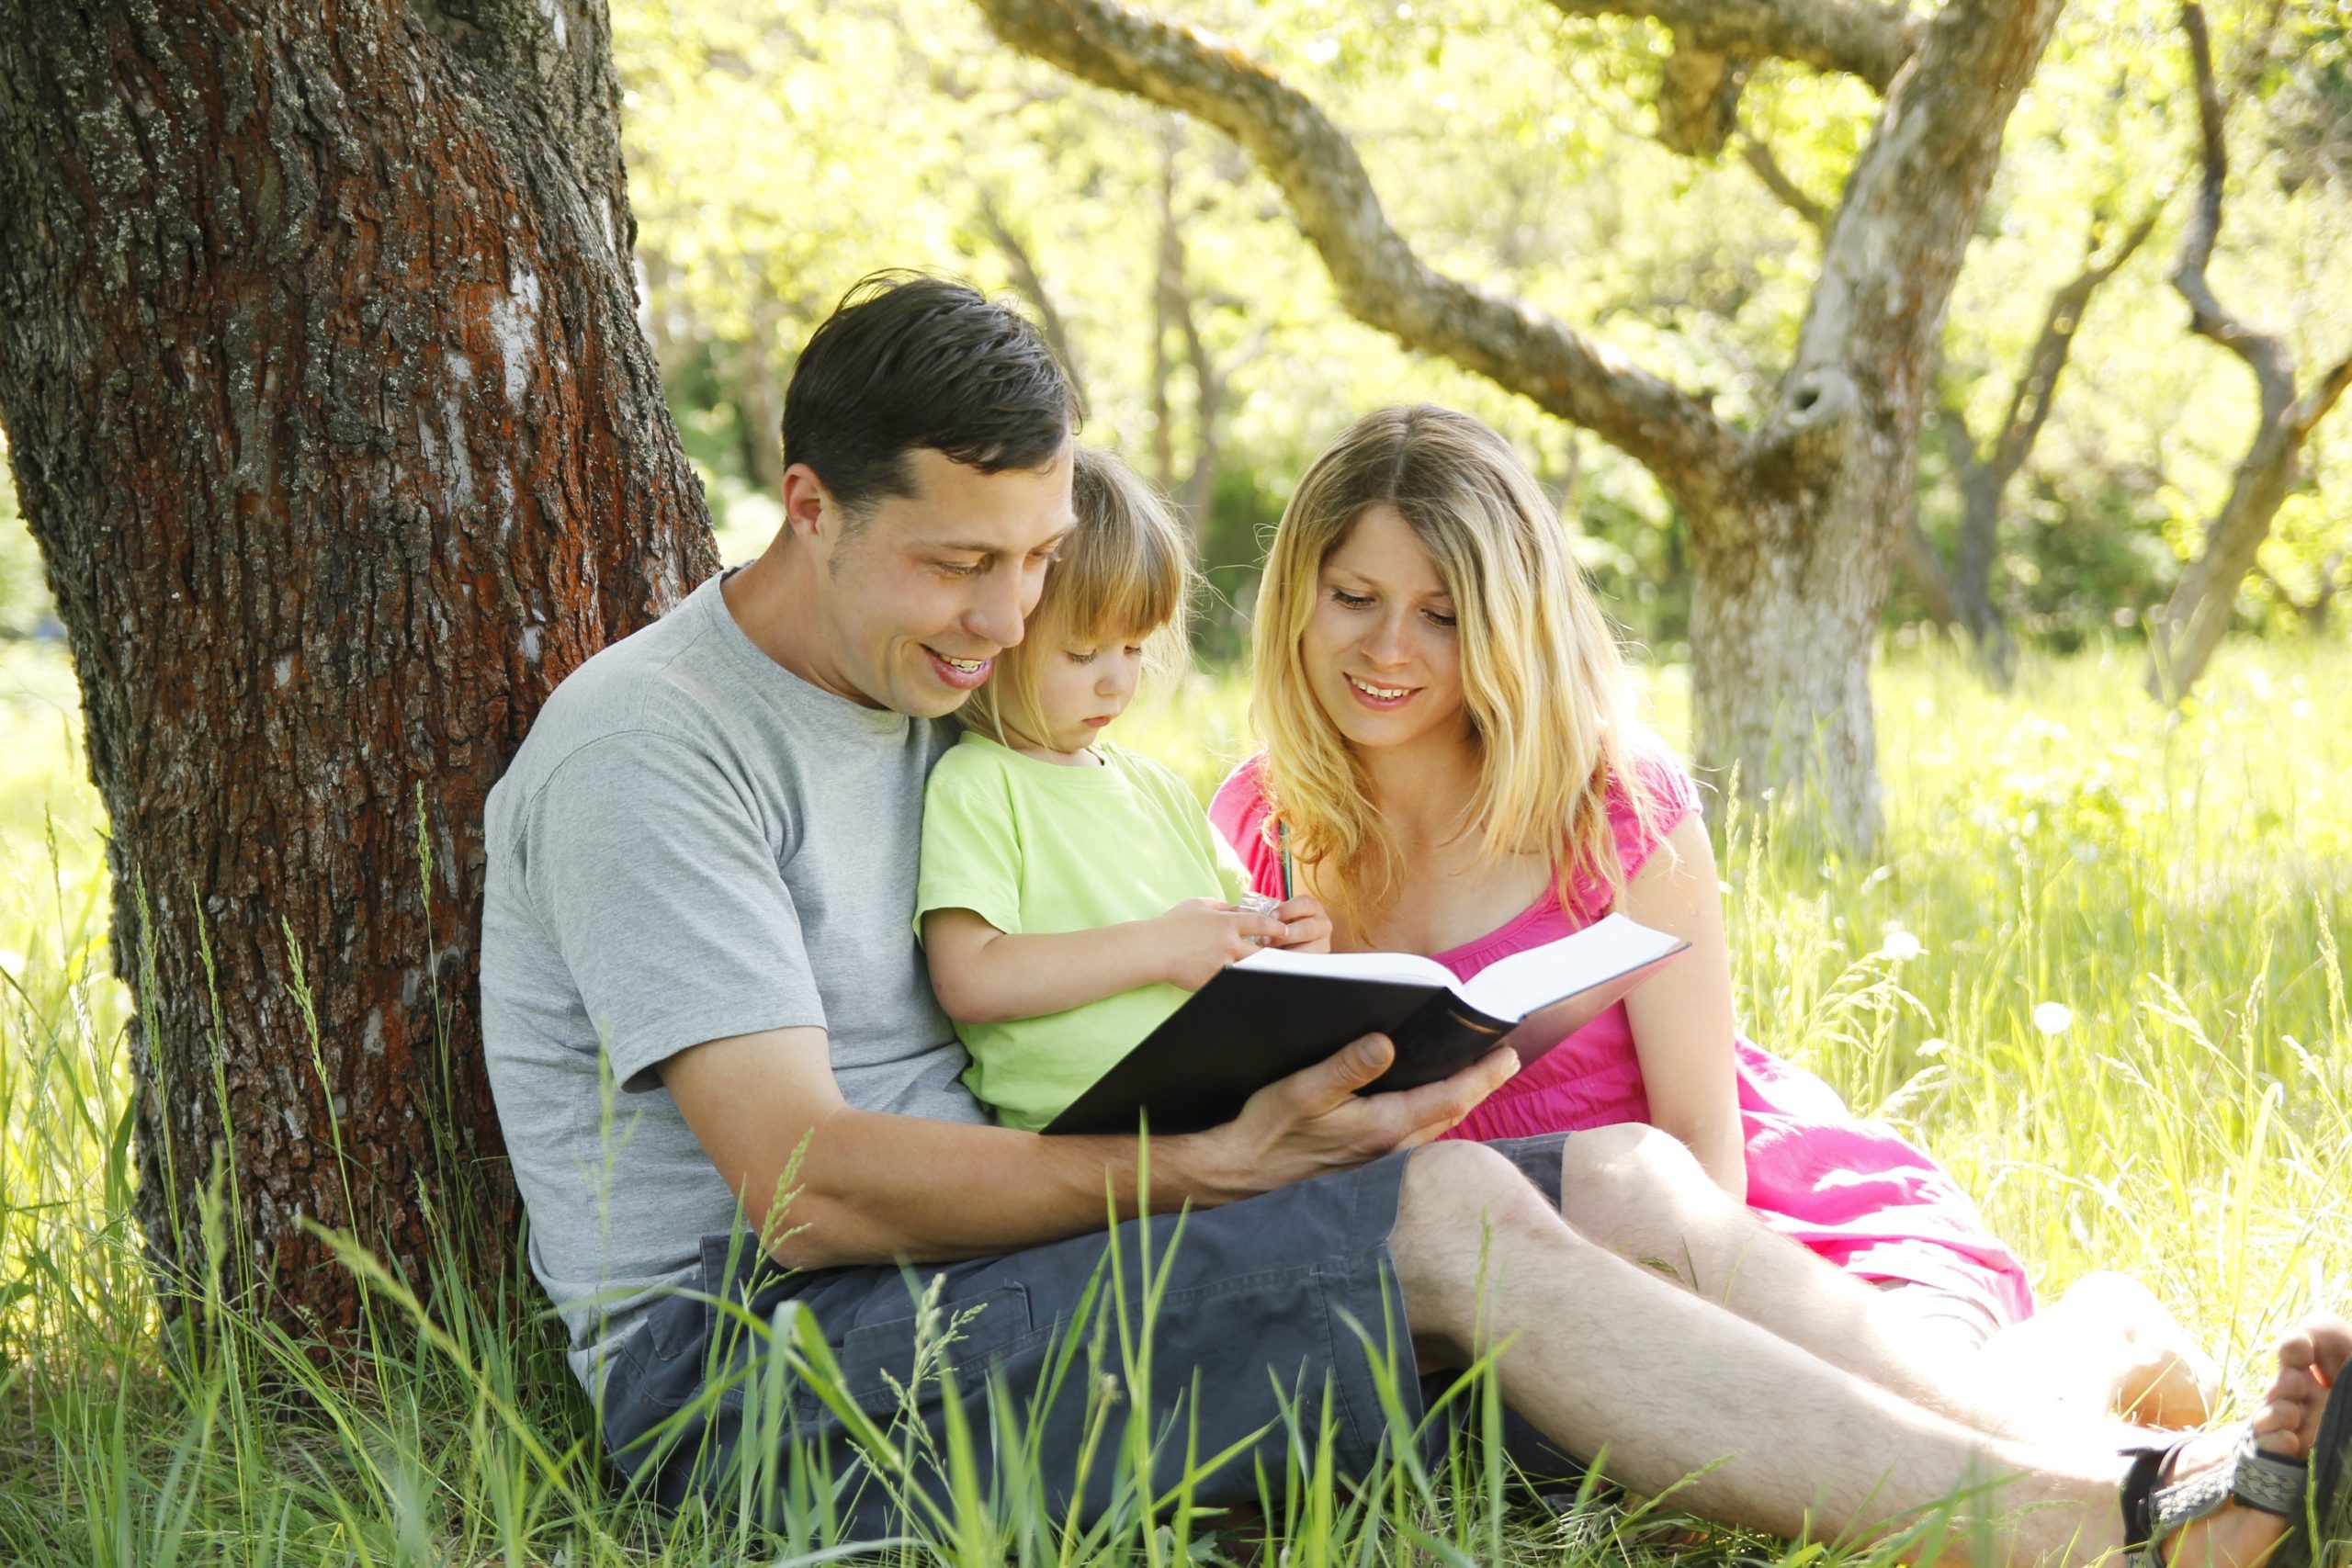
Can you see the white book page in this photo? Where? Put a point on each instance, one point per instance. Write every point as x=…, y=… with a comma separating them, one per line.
x=1513, y=988
x=1399, y=968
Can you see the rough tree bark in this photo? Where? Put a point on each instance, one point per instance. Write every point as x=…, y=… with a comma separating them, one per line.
x=329, y=408
x=1963, y=596
x=2181, y=640
x=1794, y=522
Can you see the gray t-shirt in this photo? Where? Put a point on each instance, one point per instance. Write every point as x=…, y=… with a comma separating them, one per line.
x=693, y=842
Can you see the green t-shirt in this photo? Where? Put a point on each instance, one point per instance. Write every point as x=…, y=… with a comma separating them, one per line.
x=1035, y=848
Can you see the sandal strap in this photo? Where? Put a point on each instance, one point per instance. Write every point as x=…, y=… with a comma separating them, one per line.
x=2258, y=1480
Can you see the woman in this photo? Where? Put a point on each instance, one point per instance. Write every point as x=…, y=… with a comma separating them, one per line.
x=1453, y=769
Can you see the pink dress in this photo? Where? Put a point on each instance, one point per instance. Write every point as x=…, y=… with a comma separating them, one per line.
x=1850, y=1189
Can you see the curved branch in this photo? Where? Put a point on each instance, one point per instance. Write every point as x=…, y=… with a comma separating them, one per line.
x=2030, y=402
x=1853, y=36
x=1379, y=278
x=2263, y=353
x=1758, y=155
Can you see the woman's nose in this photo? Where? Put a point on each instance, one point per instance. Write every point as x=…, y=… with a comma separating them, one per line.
x=1387, y=644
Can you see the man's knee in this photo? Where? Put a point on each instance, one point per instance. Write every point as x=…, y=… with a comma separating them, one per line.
x=1464, y=1208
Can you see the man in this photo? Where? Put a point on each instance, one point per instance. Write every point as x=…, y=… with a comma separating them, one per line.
x=707, y=1019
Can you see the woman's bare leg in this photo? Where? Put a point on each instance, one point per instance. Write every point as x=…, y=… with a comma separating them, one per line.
x=1636, y=1191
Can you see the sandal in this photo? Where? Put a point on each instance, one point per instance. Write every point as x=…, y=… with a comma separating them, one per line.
x=2315, y=1497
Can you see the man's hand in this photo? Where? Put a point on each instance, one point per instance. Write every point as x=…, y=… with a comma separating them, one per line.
x=1201, y=936
x=1314, y=1121
x=1307, y=925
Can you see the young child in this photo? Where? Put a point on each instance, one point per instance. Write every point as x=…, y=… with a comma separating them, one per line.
x=1073, y=891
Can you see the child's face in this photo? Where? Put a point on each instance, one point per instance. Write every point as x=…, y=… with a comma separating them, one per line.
x=1082, y=686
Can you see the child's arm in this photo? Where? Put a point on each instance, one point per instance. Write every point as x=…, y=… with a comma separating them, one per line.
x=982, y=976
x=1682, y=1019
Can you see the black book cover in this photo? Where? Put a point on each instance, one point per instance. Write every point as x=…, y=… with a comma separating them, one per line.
x=1249, y=1026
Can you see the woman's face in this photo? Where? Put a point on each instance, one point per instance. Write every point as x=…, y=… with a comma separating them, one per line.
x=1381, y=649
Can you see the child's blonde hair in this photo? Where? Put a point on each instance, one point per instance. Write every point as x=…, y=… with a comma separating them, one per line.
x=1125, y=574
x=1541, y=675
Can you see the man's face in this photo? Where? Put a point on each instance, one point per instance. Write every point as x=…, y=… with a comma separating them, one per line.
x=925, y=591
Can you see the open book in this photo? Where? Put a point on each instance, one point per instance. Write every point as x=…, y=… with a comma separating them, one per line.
x=1275, y=1013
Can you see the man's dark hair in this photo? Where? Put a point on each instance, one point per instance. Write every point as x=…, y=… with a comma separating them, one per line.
x=909, y=360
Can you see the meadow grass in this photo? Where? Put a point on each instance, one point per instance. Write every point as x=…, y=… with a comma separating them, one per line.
x=2094, y=965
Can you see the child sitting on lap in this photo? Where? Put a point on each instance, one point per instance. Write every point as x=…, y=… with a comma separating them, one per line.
x=1072, y=892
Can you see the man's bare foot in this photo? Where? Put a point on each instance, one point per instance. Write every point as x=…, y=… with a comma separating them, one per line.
x=2310, y=1358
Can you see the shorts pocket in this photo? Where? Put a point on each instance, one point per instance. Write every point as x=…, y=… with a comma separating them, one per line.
x=879, y=1356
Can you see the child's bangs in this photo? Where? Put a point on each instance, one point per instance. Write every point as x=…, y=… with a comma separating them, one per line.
x=1113, y=584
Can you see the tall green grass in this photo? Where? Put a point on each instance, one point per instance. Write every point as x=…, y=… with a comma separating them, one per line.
x=2095, y=965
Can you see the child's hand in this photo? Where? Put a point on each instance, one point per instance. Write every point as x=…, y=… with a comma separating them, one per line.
x=1309, y=926
x=1201, y=936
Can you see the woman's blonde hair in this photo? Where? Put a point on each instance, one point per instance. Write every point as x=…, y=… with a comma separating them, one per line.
x=1541, y=675
x=1124, y=574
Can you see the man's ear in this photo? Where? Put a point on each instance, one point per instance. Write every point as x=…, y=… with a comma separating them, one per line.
x=810, y=509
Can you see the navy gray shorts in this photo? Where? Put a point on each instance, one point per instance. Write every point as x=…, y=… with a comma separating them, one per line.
x=1276, y=1316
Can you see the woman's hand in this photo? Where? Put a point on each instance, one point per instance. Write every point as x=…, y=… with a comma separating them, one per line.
x=1307, y=924
x=1201, y=936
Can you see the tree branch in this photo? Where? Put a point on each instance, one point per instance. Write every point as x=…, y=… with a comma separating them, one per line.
x=1032, y=285
x=1379, y=278
x=1757, y=156
x=2030, y=402
x=2263, y=353
x=1853, y=36
x=2315, y=404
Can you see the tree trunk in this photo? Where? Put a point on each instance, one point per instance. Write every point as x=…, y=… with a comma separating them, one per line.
x=329, y=408
x=1780, y=644
x=2203, y=604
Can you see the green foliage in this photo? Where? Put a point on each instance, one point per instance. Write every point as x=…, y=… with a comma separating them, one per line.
x=2178, y=887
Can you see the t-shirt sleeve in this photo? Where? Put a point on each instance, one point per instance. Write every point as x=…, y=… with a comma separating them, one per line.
x=1672, y=795
x=666, y=906
x=971, y=849
x=1238, y=811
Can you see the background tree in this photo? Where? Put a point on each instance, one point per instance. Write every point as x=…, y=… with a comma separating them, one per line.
x=1962, y=595
x=2182, y=641
x=327, y=404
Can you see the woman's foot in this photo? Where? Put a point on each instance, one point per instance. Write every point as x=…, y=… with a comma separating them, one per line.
x=2311, y=1359
x=2108, y=1346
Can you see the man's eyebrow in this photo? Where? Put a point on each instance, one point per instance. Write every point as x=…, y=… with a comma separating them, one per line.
x=990, y=548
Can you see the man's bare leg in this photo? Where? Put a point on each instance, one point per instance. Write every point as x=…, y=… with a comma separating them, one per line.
x=1637, y=1193
x=1611, y=1356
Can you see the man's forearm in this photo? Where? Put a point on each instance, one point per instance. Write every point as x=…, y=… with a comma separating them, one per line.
x=872, y=1187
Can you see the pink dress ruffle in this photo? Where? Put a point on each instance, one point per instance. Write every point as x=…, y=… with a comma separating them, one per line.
x=1850, y=1188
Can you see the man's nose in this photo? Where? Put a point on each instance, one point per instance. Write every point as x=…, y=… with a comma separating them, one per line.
x=996, y=615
